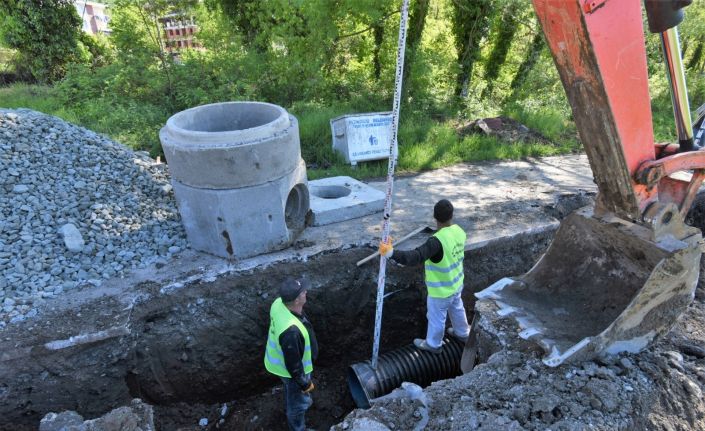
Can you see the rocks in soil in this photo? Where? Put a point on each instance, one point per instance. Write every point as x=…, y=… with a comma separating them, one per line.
x=75, y=208
x=136, y=417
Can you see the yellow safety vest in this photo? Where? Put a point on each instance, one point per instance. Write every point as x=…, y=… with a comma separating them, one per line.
x=445, y=278
x=281, y=319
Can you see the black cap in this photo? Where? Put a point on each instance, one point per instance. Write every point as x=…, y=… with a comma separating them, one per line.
x=443, y=210
x=291, y=288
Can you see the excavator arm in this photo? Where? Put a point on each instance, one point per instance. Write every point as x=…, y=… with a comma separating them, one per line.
x=618, y=275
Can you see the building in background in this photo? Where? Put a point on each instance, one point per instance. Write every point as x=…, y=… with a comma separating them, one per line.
x=94, y=15
x=179, y=32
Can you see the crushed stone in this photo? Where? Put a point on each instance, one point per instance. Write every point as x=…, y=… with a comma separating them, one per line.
x=75, y=208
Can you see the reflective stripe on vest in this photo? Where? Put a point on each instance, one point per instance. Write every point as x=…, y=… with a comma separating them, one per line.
x=281, y=319
x=446, y=277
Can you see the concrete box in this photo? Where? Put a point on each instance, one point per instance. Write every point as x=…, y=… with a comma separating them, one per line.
x=362, y=137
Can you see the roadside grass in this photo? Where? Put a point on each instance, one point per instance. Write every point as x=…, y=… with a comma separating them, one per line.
x=136, y=126
x=424, y=142
x=35, y=97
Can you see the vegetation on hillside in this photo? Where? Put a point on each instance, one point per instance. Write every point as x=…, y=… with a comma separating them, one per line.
x=321, y=59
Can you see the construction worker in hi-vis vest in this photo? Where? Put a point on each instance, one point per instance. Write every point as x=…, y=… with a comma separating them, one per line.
x=442, y=255
x=291, y=349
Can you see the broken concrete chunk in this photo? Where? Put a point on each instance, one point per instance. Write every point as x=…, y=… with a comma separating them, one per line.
x=367, y=424
x=137, y=417
x=64, y=421
x=675, y=359
x=626, y=364
x=691, y=387
x=72, y=238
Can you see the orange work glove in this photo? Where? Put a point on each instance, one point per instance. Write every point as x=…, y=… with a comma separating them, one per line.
x=310, y=388
x=385, y=248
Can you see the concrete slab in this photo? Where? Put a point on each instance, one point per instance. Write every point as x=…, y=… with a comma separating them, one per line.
x=337, y=199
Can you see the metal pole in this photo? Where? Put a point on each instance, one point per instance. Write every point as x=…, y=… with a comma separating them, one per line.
x=679, y=93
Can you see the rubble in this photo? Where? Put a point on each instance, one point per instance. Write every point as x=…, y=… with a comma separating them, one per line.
x=137, y=417
x=659, y=388
x=505, y=129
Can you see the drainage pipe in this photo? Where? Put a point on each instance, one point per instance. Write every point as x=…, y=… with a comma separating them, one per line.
x=407, y=364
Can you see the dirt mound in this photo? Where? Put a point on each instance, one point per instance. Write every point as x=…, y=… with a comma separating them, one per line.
x=504, y=128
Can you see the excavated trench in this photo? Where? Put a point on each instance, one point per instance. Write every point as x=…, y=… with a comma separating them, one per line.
x=192, y=349
x=189, y=350
x=341, y=307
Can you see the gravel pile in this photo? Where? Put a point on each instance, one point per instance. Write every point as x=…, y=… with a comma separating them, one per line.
x=75, y=209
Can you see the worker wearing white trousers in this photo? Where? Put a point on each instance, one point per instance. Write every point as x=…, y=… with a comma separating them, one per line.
x=443, y=256
x=436, y=311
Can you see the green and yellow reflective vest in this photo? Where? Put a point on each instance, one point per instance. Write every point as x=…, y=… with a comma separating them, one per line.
x=446, y=277
x=281, y=319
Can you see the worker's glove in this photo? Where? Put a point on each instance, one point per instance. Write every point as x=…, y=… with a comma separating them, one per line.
x=385, y=248
x=310, y=388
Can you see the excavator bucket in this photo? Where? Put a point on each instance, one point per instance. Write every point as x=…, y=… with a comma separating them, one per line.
x=617, y=277
x=604, y=285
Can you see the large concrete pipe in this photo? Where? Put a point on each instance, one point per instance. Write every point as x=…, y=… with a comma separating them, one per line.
x=238, y=176
x=407, y=364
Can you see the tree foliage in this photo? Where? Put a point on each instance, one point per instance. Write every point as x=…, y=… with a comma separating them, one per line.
x=505, y=27
x=45, y=34
x=464, y=59
x=530, y=57
x=470, y=26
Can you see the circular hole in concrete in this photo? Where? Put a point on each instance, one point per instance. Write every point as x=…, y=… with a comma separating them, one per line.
x=227, y=117
x=330, y=192
x=297, y=205
x=667, y=218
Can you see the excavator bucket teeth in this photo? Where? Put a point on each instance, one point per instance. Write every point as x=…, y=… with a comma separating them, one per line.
x=603, y=286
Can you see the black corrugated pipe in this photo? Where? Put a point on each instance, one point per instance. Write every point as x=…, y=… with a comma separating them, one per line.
x=407, y=364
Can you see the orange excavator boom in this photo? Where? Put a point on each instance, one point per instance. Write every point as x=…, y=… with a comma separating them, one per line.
x=618, y=275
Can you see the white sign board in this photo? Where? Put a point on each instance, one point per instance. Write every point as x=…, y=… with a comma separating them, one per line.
x=362, y=137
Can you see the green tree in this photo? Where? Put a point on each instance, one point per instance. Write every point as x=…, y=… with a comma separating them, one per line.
x=505, y=27
x=250, y=19
x=470, y=23
x=138, y=36
x=530, y=57
x=417, y=21
x=45, y=34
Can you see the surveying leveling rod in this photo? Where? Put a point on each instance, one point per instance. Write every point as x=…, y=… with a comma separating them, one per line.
x=393, y=152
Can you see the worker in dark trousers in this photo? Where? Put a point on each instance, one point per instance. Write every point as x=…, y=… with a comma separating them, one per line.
x=291, y=350
x=442, y=255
